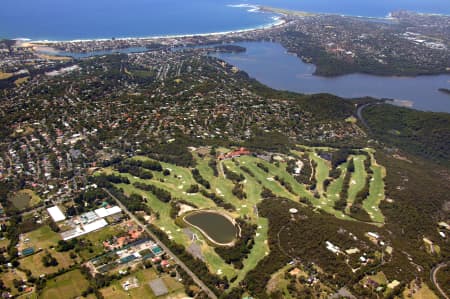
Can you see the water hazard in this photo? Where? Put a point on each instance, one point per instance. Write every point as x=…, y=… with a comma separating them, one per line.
x=215, y=226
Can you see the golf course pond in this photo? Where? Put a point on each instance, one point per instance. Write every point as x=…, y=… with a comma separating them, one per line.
x=218, y=228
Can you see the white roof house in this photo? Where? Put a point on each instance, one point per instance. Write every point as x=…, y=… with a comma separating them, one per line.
x=93, y=226
x=103, y=212
x=331, y=247
x=373, y=235
x=56, y=214
x=85, y=229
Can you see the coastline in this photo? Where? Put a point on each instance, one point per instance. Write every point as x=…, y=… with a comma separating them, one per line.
x=278, y=20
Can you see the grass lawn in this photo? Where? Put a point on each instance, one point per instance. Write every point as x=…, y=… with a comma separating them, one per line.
x=333, y=190
x=326, y=201
x=336, y=186
x=35, y=265
x=116, y=291
x=67, y=285
x=173, y=285
x=351, y=119
x=266, y=179
x=251, y=188
x=299, y=189
x=219, y=185
x=423, y=293
x=321, y=171
x=278, y=282
x=379, y=278
x=32, y=295
x=376, y=193
x=214, y=262
x=358, y=178
x=42, y=237
x=176, y=183
x=258, y=252
x=25, y=198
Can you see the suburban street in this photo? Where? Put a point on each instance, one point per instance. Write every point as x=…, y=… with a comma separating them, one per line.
x=194, y=277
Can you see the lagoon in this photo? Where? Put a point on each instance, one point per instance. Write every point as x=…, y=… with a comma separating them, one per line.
x=272, y=65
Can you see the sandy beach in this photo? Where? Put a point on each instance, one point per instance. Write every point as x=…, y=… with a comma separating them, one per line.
x=278, y=21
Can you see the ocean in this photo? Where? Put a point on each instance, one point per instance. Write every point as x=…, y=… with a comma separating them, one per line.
x=97, y=19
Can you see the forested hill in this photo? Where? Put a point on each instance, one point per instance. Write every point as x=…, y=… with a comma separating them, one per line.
x=426, y=134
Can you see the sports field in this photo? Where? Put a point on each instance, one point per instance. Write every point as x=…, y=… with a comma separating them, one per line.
x=67, y=285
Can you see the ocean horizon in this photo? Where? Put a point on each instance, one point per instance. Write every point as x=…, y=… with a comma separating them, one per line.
x=102, y=19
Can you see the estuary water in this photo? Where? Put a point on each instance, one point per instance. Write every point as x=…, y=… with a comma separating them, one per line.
x=97, y=19
x=271, y=64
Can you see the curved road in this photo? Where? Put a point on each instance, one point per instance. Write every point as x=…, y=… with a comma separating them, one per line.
x=194, y=277
x=433, y=274
x=359, y=111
